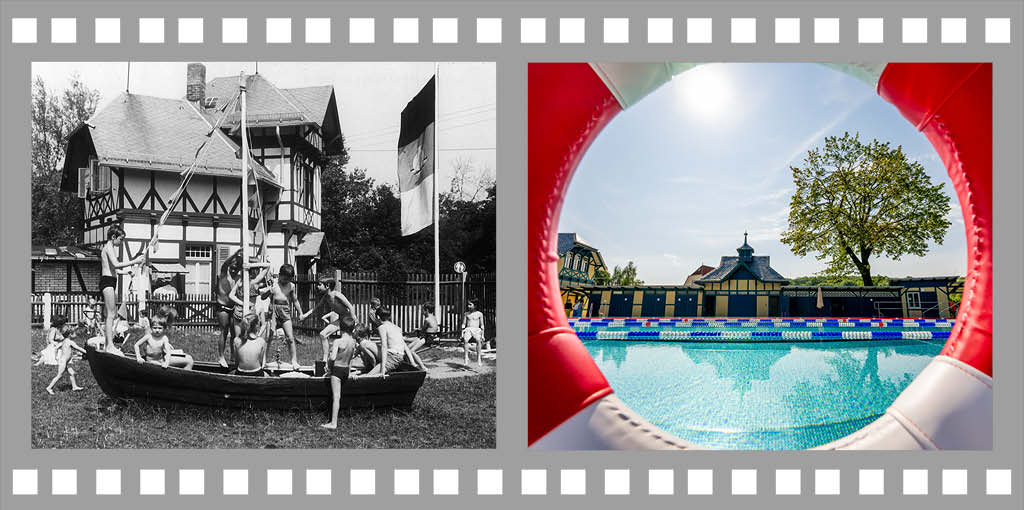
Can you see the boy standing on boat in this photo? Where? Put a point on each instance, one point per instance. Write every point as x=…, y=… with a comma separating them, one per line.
x=337, y=303
x=110, y=267
x=284, y=297
x=230, y=272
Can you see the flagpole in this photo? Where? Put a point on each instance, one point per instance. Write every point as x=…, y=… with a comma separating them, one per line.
x=437, y=214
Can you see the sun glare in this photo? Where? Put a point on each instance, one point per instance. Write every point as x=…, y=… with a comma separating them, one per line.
x=705, y=91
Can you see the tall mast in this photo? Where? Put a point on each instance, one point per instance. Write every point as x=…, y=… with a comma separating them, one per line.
x=245, y=200
x=437, y=208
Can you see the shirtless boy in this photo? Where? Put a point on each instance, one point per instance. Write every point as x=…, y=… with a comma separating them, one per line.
x=392, y=347
x=284, y=297
x=230, y=272
x=338, y=363
x=156, y=348
x=251, y=346
x=472, y=331
x=337, y=303
x=111, y=266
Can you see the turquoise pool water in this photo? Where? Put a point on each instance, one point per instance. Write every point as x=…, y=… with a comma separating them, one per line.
x=761, y=395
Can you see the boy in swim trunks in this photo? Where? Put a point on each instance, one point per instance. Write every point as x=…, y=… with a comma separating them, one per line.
x=251, y=346
x=472, y=331
x=284, y=297
x=338, y=363
x=110, y=267
x=230, y=272
x=337, y=303
x=156, y=348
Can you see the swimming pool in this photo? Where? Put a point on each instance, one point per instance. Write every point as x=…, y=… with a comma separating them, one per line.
x=761, y=392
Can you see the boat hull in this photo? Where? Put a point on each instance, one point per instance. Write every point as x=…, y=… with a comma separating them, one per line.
x=210, y=384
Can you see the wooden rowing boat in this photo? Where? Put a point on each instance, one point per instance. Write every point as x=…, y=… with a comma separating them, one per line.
x=210, y=384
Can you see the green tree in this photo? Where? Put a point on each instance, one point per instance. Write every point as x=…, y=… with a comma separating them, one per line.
x=855, y=200
x=625, y=276
x=56, y=215
x=602, y=277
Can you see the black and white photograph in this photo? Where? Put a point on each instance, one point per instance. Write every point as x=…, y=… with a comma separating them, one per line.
x=263, y=255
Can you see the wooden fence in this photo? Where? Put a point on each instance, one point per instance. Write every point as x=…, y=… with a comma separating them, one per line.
x=405, y=298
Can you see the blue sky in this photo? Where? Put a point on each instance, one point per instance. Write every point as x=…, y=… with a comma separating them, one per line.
x=674, y=181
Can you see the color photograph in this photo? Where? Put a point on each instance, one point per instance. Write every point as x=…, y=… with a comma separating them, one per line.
x=263, y=255
x=757, y=256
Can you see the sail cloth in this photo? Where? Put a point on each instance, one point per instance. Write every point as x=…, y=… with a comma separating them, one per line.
x=416, y=161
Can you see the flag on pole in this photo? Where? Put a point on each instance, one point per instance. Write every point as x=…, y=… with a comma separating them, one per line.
x=416, y=161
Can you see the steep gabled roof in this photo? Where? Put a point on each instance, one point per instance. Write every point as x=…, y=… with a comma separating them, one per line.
x=269, y=105
x=759, y=266
x=154, y=133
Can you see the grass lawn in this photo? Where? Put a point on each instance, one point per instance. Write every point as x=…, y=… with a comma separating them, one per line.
x=457, y=412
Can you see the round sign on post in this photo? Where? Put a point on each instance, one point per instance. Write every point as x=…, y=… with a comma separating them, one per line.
x=460, y=267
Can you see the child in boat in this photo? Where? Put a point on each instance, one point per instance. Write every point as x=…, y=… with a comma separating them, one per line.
x=392, y=349
x=284, y=297
x=338, y=364
x=230, y=273
x=257, y=289
x=429, y=329
x=155, y=346
x=337, y=303
x=251, y=346
x=54, y=337
x=65, y=345
x=472, y=329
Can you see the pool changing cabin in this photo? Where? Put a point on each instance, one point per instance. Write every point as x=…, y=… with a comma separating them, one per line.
x=745, y=285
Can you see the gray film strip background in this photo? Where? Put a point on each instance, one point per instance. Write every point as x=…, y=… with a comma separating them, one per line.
x=513, y=34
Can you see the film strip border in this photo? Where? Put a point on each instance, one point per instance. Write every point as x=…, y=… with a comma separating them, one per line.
x=531, y=482
x=658, y=31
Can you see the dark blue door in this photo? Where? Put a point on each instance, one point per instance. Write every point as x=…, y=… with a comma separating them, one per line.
x=621, y=305
x=742, y=306
x=654, y=304
x=686, y=305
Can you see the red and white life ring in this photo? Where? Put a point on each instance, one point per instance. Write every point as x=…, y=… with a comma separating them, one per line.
x=571, y=406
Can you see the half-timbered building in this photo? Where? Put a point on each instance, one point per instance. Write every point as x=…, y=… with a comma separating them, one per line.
x=127, y=160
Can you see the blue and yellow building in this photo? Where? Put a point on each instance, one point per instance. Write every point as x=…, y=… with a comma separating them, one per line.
x=578, y=262
x=744, y=285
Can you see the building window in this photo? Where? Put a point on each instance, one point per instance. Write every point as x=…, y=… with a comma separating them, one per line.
x=198, y=251
x=914, y=300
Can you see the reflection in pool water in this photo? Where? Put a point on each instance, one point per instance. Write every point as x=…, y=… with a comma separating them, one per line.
x=761, y=396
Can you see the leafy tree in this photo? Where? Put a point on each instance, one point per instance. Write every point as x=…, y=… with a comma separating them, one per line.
x=56, y=216
x=362, y=226
x=842, y=281
x=854, y=200
x=625, y=276
x=601, y=277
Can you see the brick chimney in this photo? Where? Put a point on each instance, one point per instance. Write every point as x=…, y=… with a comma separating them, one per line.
x=195, y=83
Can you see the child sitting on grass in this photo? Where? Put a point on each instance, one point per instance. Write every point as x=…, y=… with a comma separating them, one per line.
x=156, y=348
x=251, y=346
x=61, y=337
